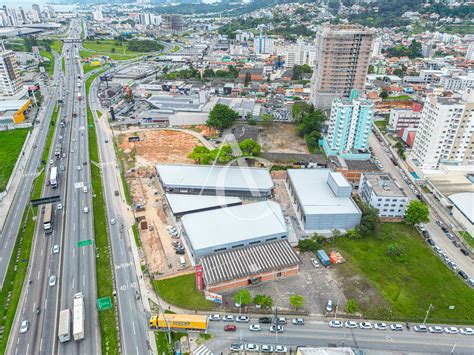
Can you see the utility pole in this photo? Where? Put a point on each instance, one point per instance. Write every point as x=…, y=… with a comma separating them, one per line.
x=427, y=313
x=337, y=307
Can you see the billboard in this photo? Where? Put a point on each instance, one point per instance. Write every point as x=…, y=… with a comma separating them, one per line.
x=134, y=139
x=214, y=297
x=199, y=280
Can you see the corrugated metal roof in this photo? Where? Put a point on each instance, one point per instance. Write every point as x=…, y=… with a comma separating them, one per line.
x=238, y=263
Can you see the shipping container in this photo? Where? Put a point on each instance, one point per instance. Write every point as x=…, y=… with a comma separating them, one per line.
x=323, y=257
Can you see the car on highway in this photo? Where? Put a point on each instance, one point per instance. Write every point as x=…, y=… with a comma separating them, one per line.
x=79, y=168
x=276, y=328
x=112, y=221
x=251, y=347
x=350, y=324
x=420, y=328
x=435, y=329
x=24, y=326
x=466, y=331
x=242, y=319
x=266, y=348
x=280, y=349
x=230, y=328
x=329, y=306
x=335, y=323
x=265, y=320
x=64, y=155
x=51, y=161
x=315, y=263
x=59, y=206
x=298, y=321
x=56, y=249
x=255, y=327
x=396, y=327
x=52, y=280
x=451, y=330
x=86, y=209
x=236, y=347
x=380, y=326
x=365, y=325
x=228, y=318
x=214, y=317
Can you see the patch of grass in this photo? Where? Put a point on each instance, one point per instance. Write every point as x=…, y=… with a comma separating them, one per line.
x=12, y=142
x=38, y=186
x=87, y=67
x=382, y=125
x=162, y=344
x=467, y=238
x=181, y=292
x=110, y=48
x=91, y=79
x=57, y=46
x=136, y=235
x=110, y=341
x=63, y=65
x=49, y=63
x=203, y=337
x=398, y=98
x=99, y=113
x=406, y=288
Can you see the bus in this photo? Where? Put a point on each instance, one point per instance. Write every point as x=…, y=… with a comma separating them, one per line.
x=48, y=218
x=180, y=322
x=64, y=330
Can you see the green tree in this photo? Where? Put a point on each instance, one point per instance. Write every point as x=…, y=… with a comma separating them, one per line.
x=263, y=300
x=370, y=221
x=247, y=79
x=371, y=69
x=383, y=95
x=352, y=306
x=312, y=244
x=209, y=73
x=200, y=155
x=242, y=297
x=353, y=234
x=297, y=301
x=249, y=148
x=112, y=50
x=266, y=118
x=417, y=212
x=221, y=116
x=301, y=109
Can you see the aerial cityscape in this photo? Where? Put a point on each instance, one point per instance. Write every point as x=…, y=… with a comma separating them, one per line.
x=237, y=177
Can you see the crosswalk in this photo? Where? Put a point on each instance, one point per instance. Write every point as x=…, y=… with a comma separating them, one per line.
x=202, y=350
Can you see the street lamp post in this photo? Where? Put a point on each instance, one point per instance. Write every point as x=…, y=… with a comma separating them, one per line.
x=427, y=313
x=337, y=306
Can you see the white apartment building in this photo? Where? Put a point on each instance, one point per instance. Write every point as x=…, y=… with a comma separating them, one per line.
x=263, y=44
x=97, y=14
x=446, y=132
x=457, y=82
x=380, y=191
x=10, y=80
x=404, y=118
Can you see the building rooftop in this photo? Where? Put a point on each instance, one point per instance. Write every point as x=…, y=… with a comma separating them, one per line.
x=183, y=203
x=233, y=264
x=464, y=201
x=451, y=183
x=215, y=177
x=233, y=224
x=384, y=185
x=12, y=105
x=315, y=195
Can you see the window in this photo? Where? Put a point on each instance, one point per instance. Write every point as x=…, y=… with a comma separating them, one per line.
x=270, y=239
x=237, y=246
x=278, y=274
x=255, y=242
x=220, y=249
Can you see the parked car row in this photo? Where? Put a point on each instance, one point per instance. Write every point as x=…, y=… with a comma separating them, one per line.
x=261, y=320
x=419, y=328
x=178, y=247
x=408, y=182
x=249, y=347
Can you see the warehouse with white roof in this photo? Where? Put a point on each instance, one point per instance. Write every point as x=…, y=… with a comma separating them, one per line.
x=244, y=182
x=463, y=210
x=322, y=200
x=230, y=228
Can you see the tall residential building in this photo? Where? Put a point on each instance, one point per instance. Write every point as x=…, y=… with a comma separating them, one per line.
x=36, y=12
x=172, y=23
x=446, y=132
x=341, y=62
x=10, y=80
x=349, y=127
x=263, y=44
x=97, y=14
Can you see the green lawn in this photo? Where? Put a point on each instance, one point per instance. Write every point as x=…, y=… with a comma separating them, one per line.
x=467, y=238
x=92, y=77
x=382, y=125
x=86, y=67
x=47, y=64
x=63, y=65
x=181, y=292
x=12, y=142
x=111, y=48
x=402, y=290
x=162, y=342
x=398, y=98
x=57, y=46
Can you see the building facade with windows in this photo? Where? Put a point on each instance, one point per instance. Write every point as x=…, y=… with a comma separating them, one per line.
x=10, y=79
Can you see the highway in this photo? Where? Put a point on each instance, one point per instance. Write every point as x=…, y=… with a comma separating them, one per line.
x=135, y=336
x=318, y=333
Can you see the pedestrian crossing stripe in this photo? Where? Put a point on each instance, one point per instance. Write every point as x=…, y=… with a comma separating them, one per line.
x=202, y=350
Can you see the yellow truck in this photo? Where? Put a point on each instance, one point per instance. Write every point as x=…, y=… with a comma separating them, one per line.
x=189, y=322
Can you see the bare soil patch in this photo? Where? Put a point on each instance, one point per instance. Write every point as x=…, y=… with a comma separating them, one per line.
x=281, y=138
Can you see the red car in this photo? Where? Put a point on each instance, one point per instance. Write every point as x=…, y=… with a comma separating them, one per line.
x=230, y=328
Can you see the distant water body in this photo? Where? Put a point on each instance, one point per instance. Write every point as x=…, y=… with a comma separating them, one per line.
x=26, y=4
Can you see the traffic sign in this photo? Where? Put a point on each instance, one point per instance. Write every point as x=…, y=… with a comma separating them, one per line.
x=84, y=243
x=104, y=303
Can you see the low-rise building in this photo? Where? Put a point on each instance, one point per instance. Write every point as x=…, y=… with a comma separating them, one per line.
x=380, y=191
x=401, y=118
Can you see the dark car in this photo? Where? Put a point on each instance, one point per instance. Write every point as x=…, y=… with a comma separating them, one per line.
x=180, y=251
x=430, y=242
x=230, y=328
x=265, y=320
x=463, y=274
x=456, y=244
x=444, y=229
x=426, y=234
x=464, y=251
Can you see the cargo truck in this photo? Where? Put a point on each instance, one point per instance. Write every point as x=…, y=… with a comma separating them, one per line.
x=186, y=322
x=79, y=97
x=48, y=218
x=323, y=257
x=64, y=329
x=78, y=320
x=53, y=177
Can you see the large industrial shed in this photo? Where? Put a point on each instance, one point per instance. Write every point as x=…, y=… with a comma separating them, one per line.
x=230, y=228
x=181, y=204
x=238, y=181
x=241, y=267
x=323, y=200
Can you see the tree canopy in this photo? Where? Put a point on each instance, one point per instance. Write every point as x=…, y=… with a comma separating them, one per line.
x=242, y=297
x=417, y=212
x=146, y=45
x=249, y=148
x=297, y=301
x=221, y=116
x=370, y=222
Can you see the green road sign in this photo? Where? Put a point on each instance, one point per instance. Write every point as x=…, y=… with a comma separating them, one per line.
x=84, y=243
x=104, y=303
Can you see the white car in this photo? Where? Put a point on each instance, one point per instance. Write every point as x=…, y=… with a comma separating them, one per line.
x=420, y=328
x=52, y=280
x=228, y=318
x=24, y=326
x=86, y=209
x=350, y=324
x=59, y=206
x=51, y=161
x=72, y=150
x=396, y=327
x=435, y=329
x=380, y=326
x=451, y=330
x=242, y=319
x=335, y=323
x=466, y=331
x=329, y=306
x=252, y=347
x=84, y=189
x=255, y=327
x=280, y=349
x=56, y=249
x=214, y=317
x=79, y=168
x=112, y=221
x=276, y=328
x=298, y=321
x=315, y=263
x=266, y=349
x=365, y=325
x=281, y=320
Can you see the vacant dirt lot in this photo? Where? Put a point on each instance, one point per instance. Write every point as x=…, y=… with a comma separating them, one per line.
x=281, y=138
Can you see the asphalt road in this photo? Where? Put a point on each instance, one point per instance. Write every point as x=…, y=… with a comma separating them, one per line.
x=133, y=318
x=317, y=333
x=464, y=262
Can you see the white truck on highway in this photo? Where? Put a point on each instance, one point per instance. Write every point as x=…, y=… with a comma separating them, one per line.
x=64, y=330
x=53, y=177
x=78, y=322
